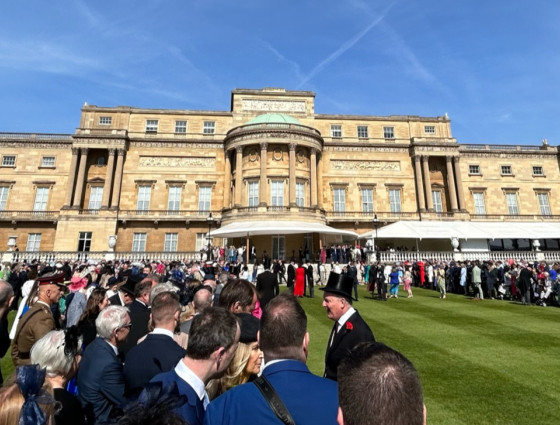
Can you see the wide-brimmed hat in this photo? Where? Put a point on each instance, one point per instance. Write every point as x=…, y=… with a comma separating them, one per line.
x=77, y=283
x=339, y=284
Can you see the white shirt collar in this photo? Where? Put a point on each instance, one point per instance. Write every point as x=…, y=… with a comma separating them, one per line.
x=194, y=381
x=161, y=331
x=115, y=349
x=345, y=317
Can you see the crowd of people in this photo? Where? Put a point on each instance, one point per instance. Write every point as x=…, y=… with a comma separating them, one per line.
x=168, y=342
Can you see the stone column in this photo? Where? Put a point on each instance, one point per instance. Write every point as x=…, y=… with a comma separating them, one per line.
x=319, y=180
x=427, y=184
x=313, y=157
x=239, y=175
x=459, y=181
x=81, y=177
x=419, y=184
x=292, y=167
x=451, y=184
x=262, y=182
x=118, y=180
x=71, y=178
x=108, y=179
x=227, y=181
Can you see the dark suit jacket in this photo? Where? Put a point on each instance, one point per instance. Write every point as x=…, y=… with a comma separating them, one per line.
x=291, y=275
x=309, y=399
x=267, y=287
x=115, y=300
x=139, y=317
x=156, y=354
x=354, y=331
x=193, y=410
x=100, y=382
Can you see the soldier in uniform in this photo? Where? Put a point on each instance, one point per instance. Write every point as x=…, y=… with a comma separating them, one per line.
x=38, y=320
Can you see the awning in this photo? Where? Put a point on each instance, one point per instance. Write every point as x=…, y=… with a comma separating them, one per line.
x=466, y=230
x=252, y=228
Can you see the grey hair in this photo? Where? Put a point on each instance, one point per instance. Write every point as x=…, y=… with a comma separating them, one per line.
x=48, y=352
x=109, y=319
x=162, y=287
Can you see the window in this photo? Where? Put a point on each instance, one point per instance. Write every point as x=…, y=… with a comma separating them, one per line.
x=279, y=247
x=436, y=197
x=105, y=120
x=538, y=171
x=170, y=242
x=363, y=132
x=336, y=131
x=339, y=199
x=33, y=242
x=180, y=127
x=41, y=199
x=479, y=207
x=474, y=169
x=511, y=199
x=174, y=199
x=209, y=127
x=430, y=129
x=144, y=194
x=506, y=170
x=4, y=190
x=544, y=205
x=277, y=193
x=300, y=194
x=139, y=242
x=204, y=198
x=151, y=126
x=253, y=194
x=200, y=241
x=9, y=161
x=367, y=199
x=95, y=197
x=395, y=200
x=48, y=161
x=389, y=132
x=84, y=241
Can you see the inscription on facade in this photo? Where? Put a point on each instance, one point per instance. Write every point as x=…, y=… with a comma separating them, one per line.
x=273, y=105
x=366, y=165
x=177, y=162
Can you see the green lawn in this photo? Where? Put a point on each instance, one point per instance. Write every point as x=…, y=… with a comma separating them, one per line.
x=488, y=362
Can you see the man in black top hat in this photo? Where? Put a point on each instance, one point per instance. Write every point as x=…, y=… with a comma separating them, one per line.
x=349, y=328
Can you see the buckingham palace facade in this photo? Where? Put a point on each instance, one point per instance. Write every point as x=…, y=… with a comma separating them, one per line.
x=152, y=177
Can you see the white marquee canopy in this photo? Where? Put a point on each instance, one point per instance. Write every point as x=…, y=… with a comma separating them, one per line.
x=466, y=230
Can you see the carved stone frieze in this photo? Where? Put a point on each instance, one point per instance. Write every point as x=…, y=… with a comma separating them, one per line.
x=177, y=162
x=365, y=149
x=506, y=155
x=273, y=105
x=36, y=145
x=181, y=145
x=365, y=165
x=108, y=142
x=274, y=135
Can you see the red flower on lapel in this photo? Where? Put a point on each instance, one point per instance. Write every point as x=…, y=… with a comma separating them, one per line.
x=349, y=326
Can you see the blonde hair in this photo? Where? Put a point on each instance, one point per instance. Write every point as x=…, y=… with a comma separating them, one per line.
x=234, y=375
x=11, y=400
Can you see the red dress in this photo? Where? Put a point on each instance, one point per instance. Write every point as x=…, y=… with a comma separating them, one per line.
x=300, y=282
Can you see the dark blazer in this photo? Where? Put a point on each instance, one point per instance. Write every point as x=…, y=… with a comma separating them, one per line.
x=139, y=317
x=309, y=274
x=100, y=382
x=309, y=399
x=291, y=274
x=354, y=331
x=267, y=287
x=156, y=354
x=193, y=410
x=115, y=300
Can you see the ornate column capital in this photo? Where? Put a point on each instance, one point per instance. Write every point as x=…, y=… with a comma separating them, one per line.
x=84, y=151
x=293, y=146
x=239, y=149
x=120, y=152
x=264, y=146
x=313, y=151
x=112, y=152
x=75, y=151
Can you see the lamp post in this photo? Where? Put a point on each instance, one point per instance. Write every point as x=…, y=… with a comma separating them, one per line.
x=375, y=224
x=210, y=221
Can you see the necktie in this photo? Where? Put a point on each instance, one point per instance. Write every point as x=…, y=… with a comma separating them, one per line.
x=333, y=333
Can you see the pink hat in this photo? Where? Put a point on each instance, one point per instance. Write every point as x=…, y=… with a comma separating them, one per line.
x=77, y=283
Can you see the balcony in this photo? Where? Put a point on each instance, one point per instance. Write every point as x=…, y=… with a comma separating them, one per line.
x=166, y=215
x=15, y=216
x=368, y=216
x=269, y=212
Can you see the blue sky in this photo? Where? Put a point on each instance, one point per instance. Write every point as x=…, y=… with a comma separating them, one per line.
x=492, y=65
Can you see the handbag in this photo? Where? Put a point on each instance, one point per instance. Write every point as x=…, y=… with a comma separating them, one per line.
x=273, y=400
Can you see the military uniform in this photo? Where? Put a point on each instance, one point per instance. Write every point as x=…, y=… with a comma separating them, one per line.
x=36, y=323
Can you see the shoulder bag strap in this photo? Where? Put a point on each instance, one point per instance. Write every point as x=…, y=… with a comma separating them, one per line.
x=273, y=400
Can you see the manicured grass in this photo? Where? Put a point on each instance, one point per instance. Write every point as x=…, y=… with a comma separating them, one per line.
x=480, y=362
x=485, y=362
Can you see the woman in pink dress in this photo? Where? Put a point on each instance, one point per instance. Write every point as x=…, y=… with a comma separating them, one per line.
x=300, y=281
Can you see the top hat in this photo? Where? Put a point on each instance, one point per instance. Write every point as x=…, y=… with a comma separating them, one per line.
x=339, y=284
x=130, y=284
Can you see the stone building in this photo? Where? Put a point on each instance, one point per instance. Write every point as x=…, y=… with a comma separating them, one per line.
x=151, y=177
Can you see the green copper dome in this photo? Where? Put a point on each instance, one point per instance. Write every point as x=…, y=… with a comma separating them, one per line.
x=274, y=119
